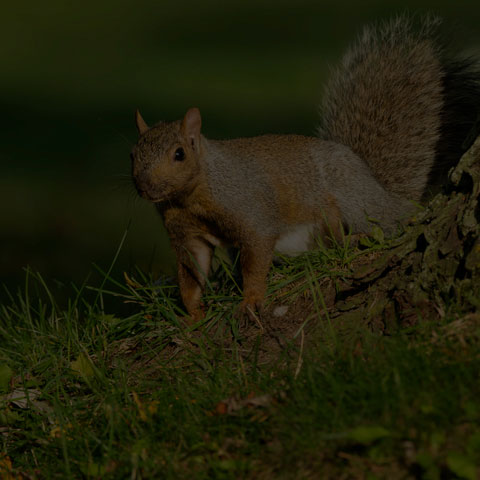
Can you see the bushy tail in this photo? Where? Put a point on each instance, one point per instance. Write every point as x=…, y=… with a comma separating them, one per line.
x=402, y=105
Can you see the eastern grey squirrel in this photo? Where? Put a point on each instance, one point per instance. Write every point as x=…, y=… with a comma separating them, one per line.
x=397, y=113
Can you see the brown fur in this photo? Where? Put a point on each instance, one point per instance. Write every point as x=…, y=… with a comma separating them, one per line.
x=243, y=192
x=382, y=124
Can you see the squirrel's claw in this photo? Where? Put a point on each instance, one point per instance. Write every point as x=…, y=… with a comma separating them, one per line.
x=252, y=311
x=196, y=315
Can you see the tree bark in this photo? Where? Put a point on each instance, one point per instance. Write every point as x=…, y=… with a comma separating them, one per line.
x=433, y=267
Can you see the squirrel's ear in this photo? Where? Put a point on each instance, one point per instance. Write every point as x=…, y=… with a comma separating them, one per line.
x=142, y=127
x=191, y=125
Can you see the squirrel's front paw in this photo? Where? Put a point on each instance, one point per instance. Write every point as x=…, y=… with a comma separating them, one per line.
x=196, y=315
x=252, y=310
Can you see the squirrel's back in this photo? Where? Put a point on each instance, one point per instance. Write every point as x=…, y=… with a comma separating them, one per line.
x=400, y=103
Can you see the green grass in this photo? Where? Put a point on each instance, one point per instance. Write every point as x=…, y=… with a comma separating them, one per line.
x=130, y=391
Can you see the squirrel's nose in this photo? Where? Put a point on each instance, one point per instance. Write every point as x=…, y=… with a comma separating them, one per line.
x=140, y=184
x=144, y=187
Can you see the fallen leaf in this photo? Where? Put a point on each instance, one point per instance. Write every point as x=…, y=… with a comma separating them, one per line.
x=461, y=465
x=82, y=366
x=368, y=434
x=377, y=234
x=19, y=397
x=221, y=408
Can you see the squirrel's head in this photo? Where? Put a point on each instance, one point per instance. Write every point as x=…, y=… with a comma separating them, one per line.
x=165, y=160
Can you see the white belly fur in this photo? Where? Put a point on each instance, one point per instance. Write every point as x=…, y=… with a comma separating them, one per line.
x=296, y=240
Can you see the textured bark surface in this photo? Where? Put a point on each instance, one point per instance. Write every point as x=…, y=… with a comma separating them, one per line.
x=434, y=264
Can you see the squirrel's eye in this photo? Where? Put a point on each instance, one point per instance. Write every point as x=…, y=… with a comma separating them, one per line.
x=179, y=154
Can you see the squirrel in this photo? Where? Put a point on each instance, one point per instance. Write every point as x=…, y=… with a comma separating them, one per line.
x=396, y=115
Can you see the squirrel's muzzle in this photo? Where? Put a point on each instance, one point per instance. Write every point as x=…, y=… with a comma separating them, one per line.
x=142, y=185
x=146, y=189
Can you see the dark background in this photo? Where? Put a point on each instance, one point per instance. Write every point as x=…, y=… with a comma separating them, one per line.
x=72, y=74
